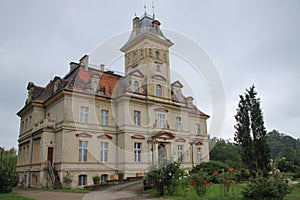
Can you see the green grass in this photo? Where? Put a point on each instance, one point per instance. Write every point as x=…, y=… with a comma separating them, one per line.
x=295, y=194
x=10, y=196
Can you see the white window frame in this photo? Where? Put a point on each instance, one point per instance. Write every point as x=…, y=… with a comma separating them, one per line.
x=137, y=152
x=83, y=151
x=104, y=117
x=104, y=151
x=137, y=117
x=199, y=155
x=158, y=90
x=84, y=114
x=82, y=180
x=161, y=120
x=180, y=152
x=178, y=124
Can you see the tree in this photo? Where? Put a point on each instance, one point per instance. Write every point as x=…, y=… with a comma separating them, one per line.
x=226, y=152
x=250, y=135
x=8, y=175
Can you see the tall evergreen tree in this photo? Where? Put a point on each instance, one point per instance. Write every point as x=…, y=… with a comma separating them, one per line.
x=250, y=132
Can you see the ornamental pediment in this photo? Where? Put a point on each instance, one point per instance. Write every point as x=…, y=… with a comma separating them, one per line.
x=163, y=135
x=137, y=73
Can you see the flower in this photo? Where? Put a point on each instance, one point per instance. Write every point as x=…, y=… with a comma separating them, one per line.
x=189, y=185
x=206, y=184
x=195, y=184
x=231, y=170
x=215, y=172
x=198, y=178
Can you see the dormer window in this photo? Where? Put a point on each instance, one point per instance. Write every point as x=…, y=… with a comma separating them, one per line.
x=177, y=96
x=95, y=86
x=136, y=86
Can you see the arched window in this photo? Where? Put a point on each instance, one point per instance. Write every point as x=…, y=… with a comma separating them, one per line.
x=136, y=86
x=158, y=90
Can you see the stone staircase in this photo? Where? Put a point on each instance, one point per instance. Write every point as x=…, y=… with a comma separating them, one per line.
x=56, y=183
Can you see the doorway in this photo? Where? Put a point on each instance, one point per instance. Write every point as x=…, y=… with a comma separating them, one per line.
x=50, y=154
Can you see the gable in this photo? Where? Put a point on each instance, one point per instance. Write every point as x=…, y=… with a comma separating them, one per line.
x=137, y=73
x=163, y=135
x=177, y=84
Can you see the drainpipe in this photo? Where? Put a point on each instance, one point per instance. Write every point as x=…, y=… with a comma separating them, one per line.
x=117, y=136
x=193, y=154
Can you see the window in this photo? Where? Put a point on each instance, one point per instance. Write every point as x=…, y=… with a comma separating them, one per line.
x=103, y=151
x=104, y=117
x=177, y=96
x=82, y=180
x=83, y=151
x=199, y=155
x=137, y=152
x=26, y=122
x=180, y=153
x=137, y=118
x=178, y=123
x=161, y=121
x=197, y=129
x=157, y=54
x=95, y=86
x=30, y=122
x=136, y=86
x=84, y=114
x=158, y=90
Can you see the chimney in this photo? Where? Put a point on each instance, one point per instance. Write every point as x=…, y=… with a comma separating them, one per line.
x=84, y=62
x=136, y=22
x=73, y=65
x=102, y=66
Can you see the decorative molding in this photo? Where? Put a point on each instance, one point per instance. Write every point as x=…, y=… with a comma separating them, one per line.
x=140, y=137
x=180, y=140
x=105, y=136
x=84, y=135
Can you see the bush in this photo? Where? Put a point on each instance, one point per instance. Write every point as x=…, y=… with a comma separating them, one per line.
x=266, y=188
x=165, y=177
x=67, y=180
x=8, y=175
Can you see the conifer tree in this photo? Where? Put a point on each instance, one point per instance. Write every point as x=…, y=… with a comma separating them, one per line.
x=250, y=132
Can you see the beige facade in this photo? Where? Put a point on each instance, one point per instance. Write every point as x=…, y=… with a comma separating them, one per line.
x=95, y=122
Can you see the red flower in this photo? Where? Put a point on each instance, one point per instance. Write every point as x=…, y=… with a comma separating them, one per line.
x=199, y=178
x=215, y=172
x=195, y=184
x=206, y=184
x=189, y=185
x=231, y=170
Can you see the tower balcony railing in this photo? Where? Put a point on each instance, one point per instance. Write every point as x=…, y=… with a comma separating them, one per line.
x=46, y=123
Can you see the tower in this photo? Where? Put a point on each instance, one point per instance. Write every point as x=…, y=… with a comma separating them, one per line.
x=147, y=58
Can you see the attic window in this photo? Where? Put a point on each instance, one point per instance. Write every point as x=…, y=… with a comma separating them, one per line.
x=177, y=96
x=136, y=86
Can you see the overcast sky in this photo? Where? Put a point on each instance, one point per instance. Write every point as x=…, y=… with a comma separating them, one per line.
x=250, y=42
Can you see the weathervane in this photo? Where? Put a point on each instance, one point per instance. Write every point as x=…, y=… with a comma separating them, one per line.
x=153, y=10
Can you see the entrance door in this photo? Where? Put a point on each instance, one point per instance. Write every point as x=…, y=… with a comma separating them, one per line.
x=50, y=155
x=161, y=151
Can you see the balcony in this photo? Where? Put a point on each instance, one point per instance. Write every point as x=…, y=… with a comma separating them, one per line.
x=46, y=123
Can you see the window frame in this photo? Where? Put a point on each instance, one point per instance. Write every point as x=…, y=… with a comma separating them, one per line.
x=199, y=154
x=82, y=180
x=180, y=152
x=104, y=117
x=137, y=152
x=161, y=120
x=137, y=117
x=158, y=90
x=84, y=114
x=104, y=151
x=136, y=86
x=197, y=129
x=83, y=151
x=178, y=124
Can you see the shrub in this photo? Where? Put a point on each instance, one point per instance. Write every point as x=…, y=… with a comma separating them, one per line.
x=200, y=181
x=96, y=179
x=8, y=175
x=266, y=188
x=165, y=177
x=67, y=180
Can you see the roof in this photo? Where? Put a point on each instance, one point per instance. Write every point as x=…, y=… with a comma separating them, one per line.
x=146, y=25
x=77, y=80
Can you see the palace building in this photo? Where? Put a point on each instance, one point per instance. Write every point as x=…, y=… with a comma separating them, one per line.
x=96, y=122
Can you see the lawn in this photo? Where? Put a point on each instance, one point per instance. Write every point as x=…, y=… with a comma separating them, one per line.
x=11, y=196
x=295, y=194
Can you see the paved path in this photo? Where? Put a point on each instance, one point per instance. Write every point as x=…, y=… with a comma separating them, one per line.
x=131, y=190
